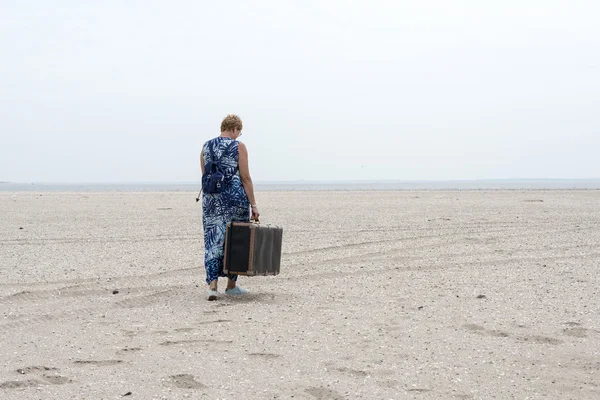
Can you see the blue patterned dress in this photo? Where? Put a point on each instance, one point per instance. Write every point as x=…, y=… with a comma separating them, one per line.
x=220, y=208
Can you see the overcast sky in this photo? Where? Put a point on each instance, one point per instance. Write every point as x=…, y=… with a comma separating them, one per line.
x=113, y=91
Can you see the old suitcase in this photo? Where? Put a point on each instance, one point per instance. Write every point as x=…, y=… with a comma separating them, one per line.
x=252, y=249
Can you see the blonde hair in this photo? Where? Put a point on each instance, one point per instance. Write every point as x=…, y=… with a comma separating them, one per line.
x=231, y=122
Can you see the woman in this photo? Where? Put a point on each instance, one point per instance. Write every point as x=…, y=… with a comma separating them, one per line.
x=235, y=203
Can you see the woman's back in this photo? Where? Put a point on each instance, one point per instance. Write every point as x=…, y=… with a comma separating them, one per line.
x=225, y=150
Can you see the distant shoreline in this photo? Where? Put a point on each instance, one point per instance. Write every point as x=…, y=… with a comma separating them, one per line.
x=489, y=184
x=312, y=182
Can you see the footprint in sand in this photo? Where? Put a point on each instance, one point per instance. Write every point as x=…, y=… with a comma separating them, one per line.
x=48, y=374
x=217, y=321
x=353, y=372
x=185, y=381
x=189, y=330
x=56, y=379
x=184, y=330
x=143, y=301
x=523, y=338
x=496, y=333
x=193, y=341
x=35, y=369
x=419, y=390
x=389, y=383
x=268, y=356
x=576, y=330
x=98, y=363
x=179, y=342
x=482, y=331
x=129, y=350
x=20, y=384
x=322, y=393
x=540, y=339
x=473, y=327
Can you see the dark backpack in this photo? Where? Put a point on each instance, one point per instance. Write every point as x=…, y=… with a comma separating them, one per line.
x=213, y=179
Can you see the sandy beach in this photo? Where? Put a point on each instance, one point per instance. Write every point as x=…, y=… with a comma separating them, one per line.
x=382, y=295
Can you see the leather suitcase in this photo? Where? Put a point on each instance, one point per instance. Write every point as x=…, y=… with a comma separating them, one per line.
x=252, y=249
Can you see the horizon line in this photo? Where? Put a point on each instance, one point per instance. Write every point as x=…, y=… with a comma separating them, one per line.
x=300, y=181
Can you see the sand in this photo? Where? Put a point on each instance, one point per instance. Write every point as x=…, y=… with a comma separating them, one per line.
x=382, y=295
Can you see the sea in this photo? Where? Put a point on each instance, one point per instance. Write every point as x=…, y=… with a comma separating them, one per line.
x=491, y=184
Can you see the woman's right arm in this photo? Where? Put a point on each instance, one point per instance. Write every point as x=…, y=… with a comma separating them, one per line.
x=246, y=178
x=202, y=160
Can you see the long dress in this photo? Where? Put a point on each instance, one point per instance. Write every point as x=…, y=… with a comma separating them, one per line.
x=220, y=208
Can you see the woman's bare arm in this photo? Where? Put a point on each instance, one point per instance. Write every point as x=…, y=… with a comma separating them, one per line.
x=247, y=179
x=245, y=173
x=202, y=161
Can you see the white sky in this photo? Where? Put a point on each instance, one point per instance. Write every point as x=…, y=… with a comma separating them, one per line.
x=112, y=91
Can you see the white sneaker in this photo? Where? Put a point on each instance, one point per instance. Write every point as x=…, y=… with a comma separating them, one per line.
x=235, y=291
x=212, y=295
